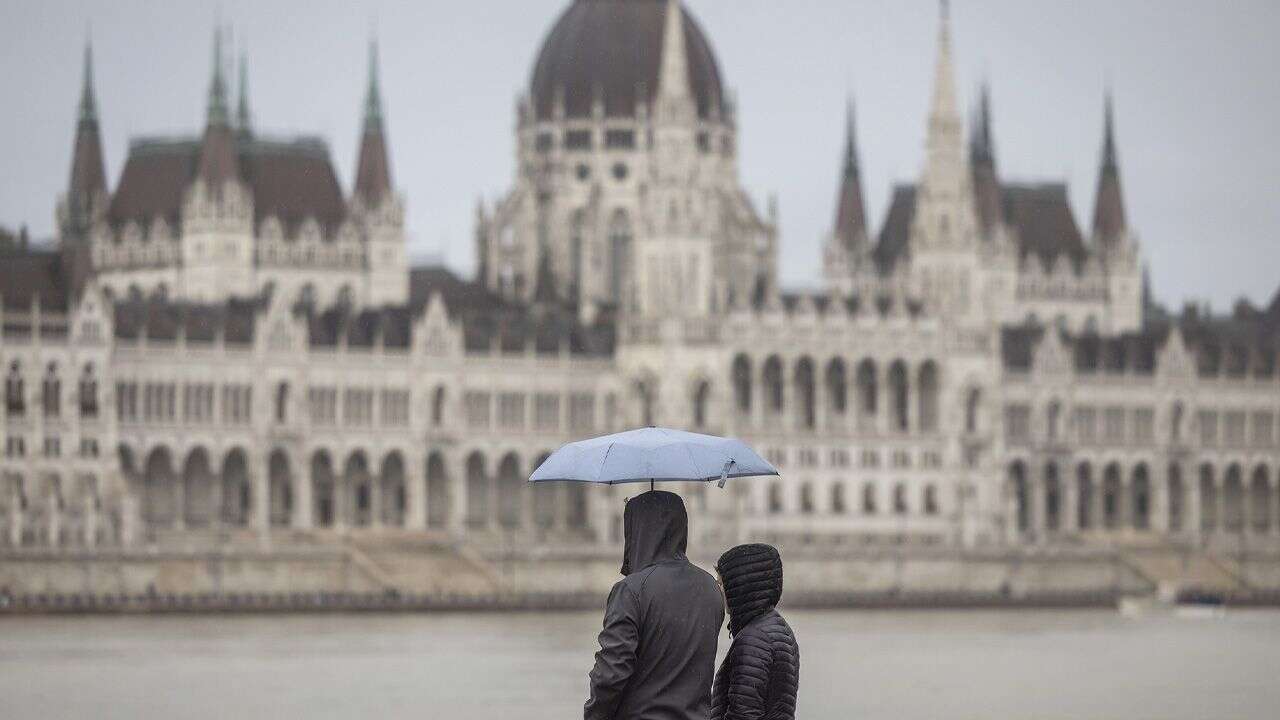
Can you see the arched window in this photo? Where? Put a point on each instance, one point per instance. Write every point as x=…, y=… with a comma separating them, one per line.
x=899, y=393
x=1052, y=497
x=51, y=392
x=88, y=394
x=620, y=239
x=868, y=392
x=1140, y=498
x=775, y=498
x=307, y=296
x=15, y=402
x=869, y=498
x=837, y=498
x=900, y=506
x=1053, y=419
x=1022, y=505
x=1084, y=496
x=282, y=403
x=437, y=492
x=972, y=410
x=1208, y=500
x=1111, y=497
x=1177, y=498
x=1233, y=500
x=1260, y=500
x=805, y=393
x=806, y=499
x=701, y=398
x=437, y=406
x=774, y=398
x=477, y=492
x=837, y=387
x=929, y=397
x=930, y=500
x=742, y=383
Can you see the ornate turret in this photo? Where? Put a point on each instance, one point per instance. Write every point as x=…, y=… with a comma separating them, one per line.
x=851, y=218
x=674, y=95
x=373, y=172
x=1109, y=224
x=218, y=157
x=88, y=182
x=982, y=159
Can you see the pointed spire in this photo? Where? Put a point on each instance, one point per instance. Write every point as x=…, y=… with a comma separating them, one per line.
x=88, y=101
x=219, y=161
x=851, y=222
x=944, y=88
x=88, y=181
x=673, y=78
x=217, y=111
x=373, y=171
x=244, y=120
x=373, y=95
x=1109, y=223
x=981, y=147
x=982, y=158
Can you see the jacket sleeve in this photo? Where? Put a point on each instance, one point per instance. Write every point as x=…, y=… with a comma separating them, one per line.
x=616, y=659
x=748, y=679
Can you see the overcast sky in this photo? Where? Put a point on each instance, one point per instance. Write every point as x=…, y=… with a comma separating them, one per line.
x=1197, y=105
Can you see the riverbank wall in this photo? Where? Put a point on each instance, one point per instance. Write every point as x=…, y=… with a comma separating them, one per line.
x=429, y=577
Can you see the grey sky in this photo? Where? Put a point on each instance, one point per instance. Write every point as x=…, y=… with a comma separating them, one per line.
x=1197, y=105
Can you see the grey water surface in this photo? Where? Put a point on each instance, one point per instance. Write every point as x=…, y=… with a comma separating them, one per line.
x=865, y=665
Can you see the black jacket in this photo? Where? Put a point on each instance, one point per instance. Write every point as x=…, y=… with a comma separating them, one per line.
x=760, y=676
x=658, y=646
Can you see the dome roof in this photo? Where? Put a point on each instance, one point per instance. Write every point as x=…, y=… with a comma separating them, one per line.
x=615, y=45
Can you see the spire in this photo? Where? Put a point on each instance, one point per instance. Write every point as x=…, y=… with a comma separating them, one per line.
x=88, y=102
x=373, y=172
x=1109, y=224
x=673, y=78
x=851, y=223
x=217, y=113
x=943, y=108
x=244, y=123
x=981, y=147
x=219, y=162
x=982, y=158
x=88, y=179
x=373, y=95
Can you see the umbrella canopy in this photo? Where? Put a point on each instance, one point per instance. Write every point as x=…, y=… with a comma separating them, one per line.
x=652, y=454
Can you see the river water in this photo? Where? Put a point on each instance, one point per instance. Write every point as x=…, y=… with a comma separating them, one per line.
x=862, y=665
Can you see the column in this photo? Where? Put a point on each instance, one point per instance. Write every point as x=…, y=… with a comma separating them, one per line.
x=376, y=499
x=1158, y=505
x=1192, y=517
x=303, y=501
x=455, y=480
x=1036, y=525
x=1068, y=501
x=415, y=491
x=259, y=492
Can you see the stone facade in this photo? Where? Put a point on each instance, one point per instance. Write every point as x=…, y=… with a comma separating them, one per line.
x=226, y=350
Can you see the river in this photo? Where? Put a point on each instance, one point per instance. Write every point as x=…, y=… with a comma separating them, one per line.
x=863, y=665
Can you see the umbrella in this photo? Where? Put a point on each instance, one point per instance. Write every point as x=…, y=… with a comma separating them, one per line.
x=652, y=454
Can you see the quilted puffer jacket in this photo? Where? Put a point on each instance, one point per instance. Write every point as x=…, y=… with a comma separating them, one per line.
x=759, y=678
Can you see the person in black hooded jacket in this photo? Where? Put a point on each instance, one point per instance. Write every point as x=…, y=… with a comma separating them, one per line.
x=760, y=676
x=658, y=646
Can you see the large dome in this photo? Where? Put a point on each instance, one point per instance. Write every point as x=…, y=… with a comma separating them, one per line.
x=615, y=45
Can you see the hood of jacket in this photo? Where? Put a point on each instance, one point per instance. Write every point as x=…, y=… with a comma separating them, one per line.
x=752, y=578
x=655, y=528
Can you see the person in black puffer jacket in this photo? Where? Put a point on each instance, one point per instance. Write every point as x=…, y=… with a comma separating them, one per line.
x=760, y=677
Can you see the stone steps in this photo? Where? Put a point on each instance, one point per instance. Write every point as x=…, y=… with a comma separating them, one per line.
x=1174, y=570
